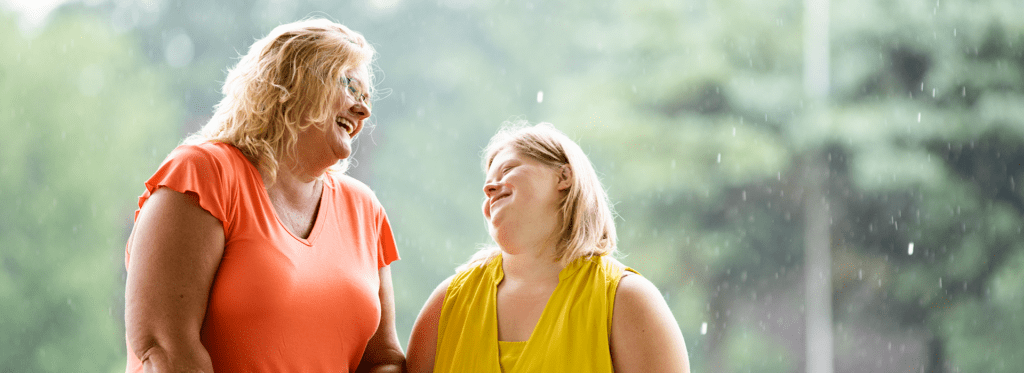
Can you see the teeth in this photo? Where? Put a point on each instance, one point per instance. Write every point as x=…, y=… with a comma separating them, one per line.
x=344, y=123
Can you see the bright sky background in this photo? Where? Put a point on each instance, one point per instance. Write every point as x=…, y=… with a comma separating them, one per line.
x=32, y=13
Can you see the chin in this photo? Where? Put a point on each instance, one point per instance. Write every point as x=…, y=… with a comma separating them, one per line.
x=343, y=152
x=502, y=237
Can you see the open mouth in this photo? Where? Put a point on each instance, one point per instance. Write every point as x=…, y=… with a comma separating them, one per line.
x=345, y=124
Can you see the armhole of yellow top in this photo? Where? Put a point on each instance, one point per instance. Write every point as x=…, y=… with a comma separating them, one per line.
x=626, y=271
x=457, y=282
x=442, y=322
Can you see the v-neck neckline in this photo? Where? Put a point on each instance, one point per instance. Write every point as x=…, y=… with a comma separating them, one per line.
x=563, y=274
x=320, y=210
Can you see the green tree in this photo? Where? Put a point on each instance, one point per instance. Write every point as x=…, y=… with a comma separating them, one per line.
x=82, y=118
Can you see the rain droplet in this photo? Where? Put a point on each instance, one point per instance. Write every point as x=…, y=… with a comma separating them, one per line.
x=703, y=328
x=540, y=96
x=719, y=157
x=910, y=249
x=918, y=117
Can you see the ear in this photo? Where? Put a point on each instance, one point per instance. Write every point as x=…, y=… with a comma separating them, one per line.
x=564, y=177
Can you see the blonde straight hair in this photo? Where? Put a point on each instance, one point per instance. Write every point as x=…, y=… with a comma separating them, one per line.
x=588, y=222
x=287, y=80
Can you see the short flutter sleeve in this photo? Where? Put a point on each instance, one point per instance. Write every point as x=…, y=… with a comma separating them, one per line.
x=205, y=171
x=387, y=251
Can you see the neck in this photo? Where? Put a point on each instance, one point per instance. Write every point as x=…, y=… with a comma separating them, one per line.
x=536, y=265
x=294, y=183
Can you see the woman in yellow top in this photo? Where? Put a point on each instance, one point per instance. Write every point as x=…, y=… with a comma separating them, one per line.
x=548, y=298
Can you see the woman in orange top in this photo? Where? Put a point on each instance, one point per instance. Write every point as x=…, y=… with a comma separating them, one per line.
x=252, y=251
x=548, y=298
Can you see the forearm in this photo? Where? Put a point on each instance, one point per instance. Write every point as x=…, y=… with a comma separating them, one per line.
x=383, y=352
x=387, y=368
x=390, y=361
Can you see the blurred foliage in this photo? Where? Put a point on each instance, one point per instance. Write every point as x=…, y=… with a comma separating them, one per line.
x=693, y=113
x=83, y=118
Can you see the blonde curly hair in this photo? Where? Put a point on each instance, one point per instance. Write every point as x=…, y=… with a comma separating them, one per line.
x=286, y=82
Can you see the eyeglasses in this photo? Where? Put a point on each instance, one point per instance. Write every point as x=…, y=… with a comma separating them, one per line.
x=351, y=85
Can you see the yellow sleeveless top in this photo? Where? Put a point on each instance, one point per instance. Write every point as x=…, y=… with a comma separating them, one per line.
x=571, y=335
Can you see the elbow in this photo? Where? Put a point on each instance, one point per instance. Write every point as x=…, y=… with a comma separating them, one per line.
x=151, y=356
x=149, y=350
x=156, y=353
x=142, y=343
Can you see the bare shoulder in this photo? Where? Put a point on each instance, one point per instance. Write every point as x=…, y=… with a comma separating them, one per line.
x=431, y=312
x=645, y=336
x=436, y=298
x=636, y=291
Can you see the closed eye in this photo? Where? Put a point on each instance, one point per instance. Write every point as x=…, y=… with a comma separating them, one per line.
x=350, y=84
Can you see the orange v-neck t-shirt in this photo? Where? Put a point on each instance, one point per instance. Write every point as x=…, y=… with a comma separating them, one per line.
x=280, y=303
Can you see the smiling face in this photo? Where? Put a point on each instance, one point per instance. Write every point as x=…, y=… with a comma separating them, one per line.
x=523, y=197
x=325, y=143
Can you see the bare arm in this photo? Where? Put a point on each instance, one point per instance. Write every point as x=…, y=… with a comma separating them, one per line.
x=383, y=353
x=423, y=340
x=645, y=337
x=175, y=250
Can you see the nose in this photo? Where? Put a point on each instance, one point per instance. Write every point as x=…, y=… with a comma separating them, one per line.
x=360, y=110
x=491, y=188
